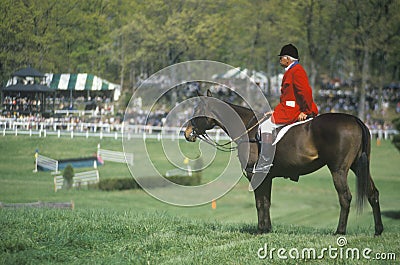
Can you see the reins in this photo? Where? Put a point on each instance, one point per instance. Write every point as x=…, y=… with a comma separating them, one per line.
x=223, y=147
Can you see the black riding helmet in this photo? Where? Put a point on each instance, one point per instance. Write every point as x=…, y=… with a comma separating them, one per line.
x=290, y=50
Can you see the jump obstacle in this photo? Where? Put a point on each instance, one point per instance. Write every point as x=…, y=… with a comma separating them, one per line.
x=114, y=156
x=44, y=163
x=79, y=179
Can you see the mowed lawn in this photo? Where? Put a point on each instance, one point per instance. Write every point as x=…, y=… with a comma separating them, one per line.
x=131, y=227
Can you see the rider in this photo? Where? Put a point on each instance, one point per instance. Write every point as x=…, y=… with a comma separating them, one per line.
x=296, y=103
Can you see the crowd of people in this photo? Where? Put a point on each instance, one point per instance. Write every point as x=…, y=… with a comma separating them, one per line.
x=336, y=96
x=333, y=96
x=343, y=98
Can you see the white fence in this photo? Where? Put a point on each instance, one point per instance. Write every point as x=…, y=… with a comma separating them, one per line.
x=117, y=131
x=45, y=162
x=179, y=172
x=115, y=156
x=80, y=179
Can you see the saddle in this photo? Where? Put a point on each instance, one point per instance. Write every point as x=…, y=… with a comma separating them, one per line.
x=283, y=130
x=279, y=135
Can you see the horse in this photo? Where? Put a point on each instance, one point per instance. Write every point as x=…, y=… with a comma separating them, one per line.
x=339, y=141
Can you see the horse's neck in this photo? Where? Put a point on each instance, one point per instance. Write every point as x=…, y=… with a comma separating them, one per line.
x=246, y=115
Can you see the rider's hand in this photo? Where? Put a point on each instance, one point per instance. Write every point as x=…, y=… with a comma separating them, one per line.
x=302, y=116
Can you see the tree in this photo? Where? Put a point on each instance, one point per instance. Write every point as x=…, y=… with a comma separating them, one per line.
x=366, y=33
x=68, y=176
x=121, y=40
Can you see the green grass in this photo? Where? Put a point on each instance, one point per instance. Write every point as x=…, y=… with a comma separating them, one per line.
x=131, y=227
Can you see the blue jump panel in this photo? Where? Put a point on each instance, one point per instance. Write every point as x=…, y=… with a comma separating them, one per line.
x=75, y=163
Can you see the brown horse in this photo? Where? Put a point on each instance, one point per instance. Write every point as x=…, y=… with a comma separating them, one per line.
x=340, y=141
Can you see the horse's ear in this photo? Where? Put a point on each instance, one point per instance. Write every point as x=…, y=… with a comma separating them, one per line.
x=209, y=94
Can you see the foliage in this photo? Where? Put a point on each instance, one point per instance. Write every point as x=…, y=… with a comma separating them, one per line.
x=68, y=176
x=130, y=183
x=193, y=180
x=117, y=184
x=123, y=40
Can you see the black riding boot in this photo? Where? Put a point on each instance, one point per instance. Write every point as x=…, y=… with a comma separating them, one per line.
x=266, y=155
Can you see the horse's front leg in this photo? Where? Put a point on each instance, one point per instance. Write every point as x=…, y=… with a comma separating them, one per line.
x=263, y=204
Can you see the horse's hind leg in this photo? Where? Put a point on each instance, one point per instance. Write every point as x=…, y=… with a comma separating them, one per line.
x=373, y=199
x=342, y=188
x=371, y=192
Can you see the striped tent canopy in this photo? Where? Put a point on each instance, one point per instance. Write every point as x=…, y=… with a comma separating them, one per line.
x=79, y=82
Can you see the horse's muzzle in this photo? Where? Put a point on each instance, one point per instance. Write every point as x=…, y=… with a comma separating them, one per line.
x=190, y=135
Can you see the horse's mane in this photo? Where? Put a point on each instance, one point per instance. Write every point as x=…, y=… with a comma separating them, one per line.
x=251, y=115
x=242, y=108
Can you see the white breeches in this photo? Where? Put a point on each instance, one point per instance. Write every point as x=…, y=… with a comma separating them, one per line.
x=268, y=126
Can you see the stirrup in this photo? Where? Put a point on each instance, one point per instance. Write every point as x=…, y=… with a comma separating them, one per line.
x=263, y=169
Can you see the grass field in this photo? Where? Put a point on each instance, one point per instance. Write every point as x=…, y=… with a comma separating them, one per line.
x=131, y=227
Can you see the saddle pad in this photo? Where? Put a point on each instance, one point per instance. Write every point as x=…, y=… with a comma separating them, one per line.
x=285, y=129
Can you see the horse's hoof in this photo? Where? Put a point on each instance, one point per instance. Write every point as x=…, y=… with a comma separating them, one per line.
x=378, y=231
x=339, y=233
x=263, y=231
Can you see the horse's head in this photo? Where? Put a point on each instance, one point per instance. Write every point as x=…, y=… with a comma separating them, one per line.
x=202, y=119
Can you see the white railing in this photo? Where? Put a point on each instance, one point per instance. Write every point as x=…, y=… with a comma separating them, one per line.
x=179, y=172
x=115, y=156
x=117, y=131
x=131, y=131
x=80, y=179
x=45, y=162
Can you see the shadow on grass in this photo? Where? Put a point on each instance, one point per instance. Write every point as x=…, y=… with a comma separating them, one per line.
x=392, y=214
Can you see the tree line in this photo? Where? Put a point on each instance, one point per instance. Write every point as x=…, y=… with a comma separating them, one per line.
x=123, y=39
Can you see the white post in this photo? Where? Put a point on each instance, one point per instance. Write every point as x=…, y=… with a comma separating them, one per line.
x=72, y=134
x=101, y=134
x=16, y=131
x=116, y=135
x=217, y=135
x=87, y=133
x=58, y=133
x=380, y=134
x=30, y=132
x=4, y=132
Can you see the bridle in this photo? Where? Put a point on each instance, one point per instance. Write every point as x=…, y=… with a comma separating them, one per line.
x=224, y=147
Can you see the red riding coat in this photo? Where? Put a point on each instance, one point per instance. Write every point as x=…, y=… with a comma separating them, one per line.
x=296, y=97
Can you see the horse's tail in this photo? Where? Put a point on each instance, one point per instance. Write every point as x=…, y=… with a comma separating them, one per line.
x=362, y=167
